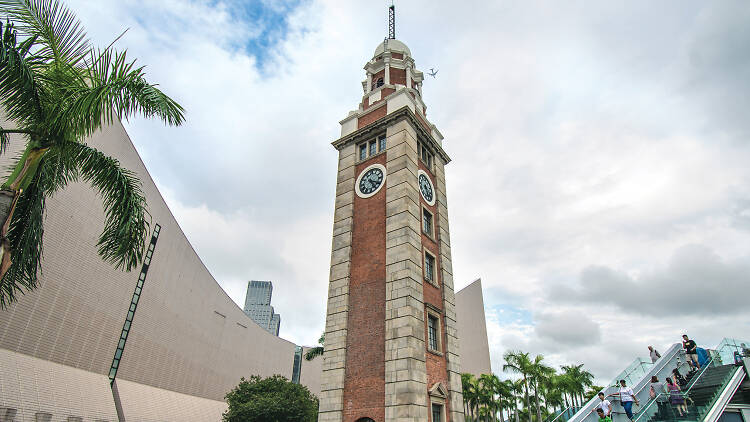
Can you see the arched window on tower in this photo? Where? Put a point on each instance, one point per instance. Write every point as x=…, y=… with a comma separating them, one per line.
x=364, y=420
x=377, y=83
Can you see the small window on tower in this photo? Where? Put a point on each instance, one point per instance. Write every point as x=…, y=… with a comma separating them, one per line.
x=379, y=82
x=429, y=267
x=427, y=222
x=381, y=143
x=373, y=149
x=437, y=413
x=362, y=152
x=433, y=332
x=425, y=155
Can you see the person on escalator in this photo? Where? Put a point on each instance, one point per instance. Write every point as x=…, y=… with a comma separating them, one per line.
x=676, y=397
x=656, y=391
x=627, y=397
x=604, y=405
x=602, y=416
x=691, y=352
x=654, y=354
x=678, y=378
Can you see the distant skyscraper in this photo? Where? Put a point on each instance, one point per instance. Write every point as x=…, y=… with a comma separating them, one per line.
x=258, y=306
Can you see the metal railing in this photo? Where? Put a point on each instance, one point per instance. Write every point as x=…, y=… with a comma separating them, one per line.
x=717, y=357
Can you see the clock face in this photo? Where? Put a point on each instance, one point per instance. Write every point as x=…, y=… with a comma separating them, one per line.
x=370, y=180
x=425, y=187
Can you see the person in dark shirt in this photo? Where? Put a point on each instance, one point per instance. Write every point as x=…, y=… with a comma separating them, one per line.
x=691, y=351
x=678, y=378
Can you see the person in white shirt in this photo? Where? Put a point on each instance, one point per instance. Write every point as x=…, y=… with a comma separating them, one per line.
x=627, y=397
x=653, y=353
x=605, y=405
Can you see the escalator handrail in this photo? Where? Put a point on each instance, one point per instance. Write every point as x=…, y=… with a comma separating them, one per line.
x=589, y=406
x=717, y=408
x=693, y=381
x=564, y=411
x=689, y=387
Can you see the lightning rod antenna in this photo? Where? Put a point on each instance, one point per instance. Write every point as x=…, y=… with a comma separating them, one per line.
x=392, y=22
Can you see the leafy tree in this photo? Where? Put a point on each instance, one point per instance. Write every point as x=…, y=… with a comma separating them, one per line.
x=318, y=350
x=539, y=373
x=554, y=393
x=579, y=379
x=592, y=391
x=470, y=389
x=57, y=90
x=519, y=362
x=272, y=399
x=487, y=396
x=517, y=389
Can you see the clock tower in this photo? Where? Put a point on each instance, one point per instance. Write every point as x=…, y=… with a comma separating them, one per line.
x=391, y=346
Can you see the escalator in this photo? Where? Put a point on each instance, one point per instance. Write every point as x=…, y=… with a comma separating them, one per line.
x=637, y=375
x=706, y=395
x=708, y=390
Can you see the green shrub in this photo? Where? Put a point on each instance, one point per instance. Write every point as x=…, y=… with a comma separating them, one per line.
x=272, y=399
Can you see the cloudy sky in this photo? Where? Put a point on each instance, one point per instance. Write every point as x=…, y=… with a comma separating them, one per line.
x=599, y=183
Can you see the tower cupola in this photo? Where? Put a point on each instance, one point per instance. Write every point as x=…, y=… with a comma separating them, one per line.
x=392, y=66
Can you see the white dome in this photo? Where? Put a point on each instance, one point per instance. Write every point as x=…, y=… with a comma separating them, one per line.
x=393, y=45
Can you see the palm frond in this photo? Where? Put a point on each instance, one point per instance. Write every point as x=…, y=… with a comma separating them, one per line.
x=115, y=87
x=25, y=237
x=126, y=220
x=19, y=89
x=60, y=33
x=313, y=353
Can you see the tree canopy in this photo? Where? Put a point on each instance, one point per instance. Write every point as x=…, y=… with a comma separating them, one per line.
x=539, y=393
x=272, y=399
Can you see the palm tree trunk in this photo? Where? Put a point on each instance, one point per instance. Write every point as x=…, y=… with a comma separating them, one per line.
x=538, y=409
x=11, y=190
x=8, y=201
x=526, y=388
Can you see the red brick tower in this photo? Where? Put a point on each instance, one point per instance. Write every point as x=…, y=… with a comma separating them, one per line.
x=391, y=347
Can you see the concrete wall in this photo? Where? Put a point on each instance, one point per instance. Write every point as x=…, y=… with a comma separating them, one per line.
x=31, y=386
x=187, y=335
x=142, y=403
x=472, y=330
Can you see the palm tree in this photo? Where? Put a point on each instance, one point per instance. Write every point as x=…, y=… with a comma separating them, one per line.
x=493, y=391
x=517, y=389
x=58, y=90
x=592, y=391
x=501, y=391
x=554, y=393
x=512, y=401
x=470, y=393
x=579, y=379
x=318, y=350
x=520, y=363
x=538, y=374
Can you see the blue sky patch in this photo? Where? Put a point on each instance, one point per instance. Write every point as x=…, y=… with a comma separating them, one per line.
x=269, y=24
x=508, y=314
